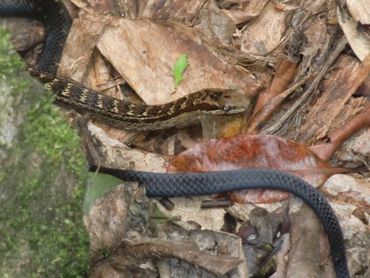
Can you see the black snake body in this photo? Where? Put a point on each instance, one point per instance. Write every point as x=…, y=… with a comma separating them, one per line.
x=57, y=23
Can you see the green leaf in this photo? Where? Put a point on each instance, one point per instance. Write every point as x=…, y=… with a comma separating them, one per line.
x=179, y=68
x=99, y=185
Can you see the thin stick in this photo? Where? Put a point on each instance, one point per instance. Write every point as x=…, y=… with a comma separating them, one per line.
x=334, y=55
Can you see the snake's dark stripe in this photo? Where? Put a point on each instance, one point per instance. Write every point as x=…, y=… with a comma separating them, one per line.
x=206, y=183
x=57, y=23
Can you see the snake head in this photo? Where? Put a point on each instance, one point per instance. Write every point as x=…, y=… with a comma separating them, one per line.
x=222, y=102
x=232, y=102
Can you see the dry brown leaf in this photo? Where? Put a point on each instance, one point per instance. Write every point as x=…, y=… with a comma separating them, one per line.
x=306, y=254
x=75, y=60
x=281, y=256
x=214, y=23
x=180, y=11
x=138, y=55
x=245, y=11
x=104, y=151
x=359, y=10
x=359, y=42
x=218, y=264
x=364, y=89
x=270, y=107
x=260, y=242
x=256, y=151
x=103, y=233
x=355, y=152
x=349, y=190
x=27, y=37
x=147, y=68
x=317, y=40
x=264, y=34
x=285, y=73
x=271, y=99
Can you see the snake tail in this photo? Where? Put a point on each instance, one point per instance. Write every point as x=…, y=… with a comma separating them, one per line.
x=207, y=183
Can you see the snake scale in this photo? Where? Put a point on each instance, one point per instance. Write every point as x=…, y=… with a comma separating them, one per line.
x=140, y=117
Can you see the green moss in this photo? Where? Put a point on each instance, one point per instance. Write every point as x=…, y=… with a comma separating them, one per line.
x=10, y=62
x=50, y=135
x=42, y=184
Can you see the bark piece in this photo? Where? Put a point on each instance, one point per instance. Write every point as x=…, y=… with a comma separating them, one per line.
x=341, y=86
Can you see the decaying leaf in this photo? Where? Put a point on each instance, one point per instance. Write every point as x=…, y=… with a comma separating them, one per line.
x=244, y=11
x=130, y=49
x=264, y=34
x=349, y=190
x=253, y=151
x=306, y=255
x=185, y=250
x=213, y=22
x=359, y=42
x=285, y=72
x=142, y=57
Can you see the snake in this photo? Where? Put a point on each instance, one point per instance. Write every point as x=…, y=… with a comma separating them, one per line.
x=112, y=111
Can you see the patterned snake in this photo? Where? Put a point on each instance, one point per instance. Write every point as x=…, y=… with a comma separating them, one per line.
x=139, y=117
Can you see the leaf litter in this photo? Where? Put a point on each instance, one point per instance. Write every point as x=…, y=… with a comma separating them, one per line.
x=306, y=65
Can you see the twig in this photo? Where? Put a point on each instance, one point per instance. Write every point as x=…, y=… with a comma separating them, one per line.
x=264, y=113
x=334, y=55
x=340, y=134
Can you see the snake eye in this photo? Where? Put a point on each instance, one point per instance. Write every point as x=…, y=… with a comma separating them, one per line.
x=227, y=108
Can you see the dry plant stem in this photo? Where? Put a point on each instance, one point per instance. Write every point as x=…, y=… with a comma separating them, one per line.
x=332, y=57
x=283, y=77
x=264, y=113
x=340, y=134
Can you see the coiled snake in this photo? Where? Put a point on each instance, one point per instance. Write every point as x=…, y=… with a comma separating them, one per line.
x=57, y=23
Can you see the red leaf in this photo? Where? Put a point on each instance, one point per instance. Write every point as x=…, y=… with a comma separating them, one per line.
x=253, y=151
